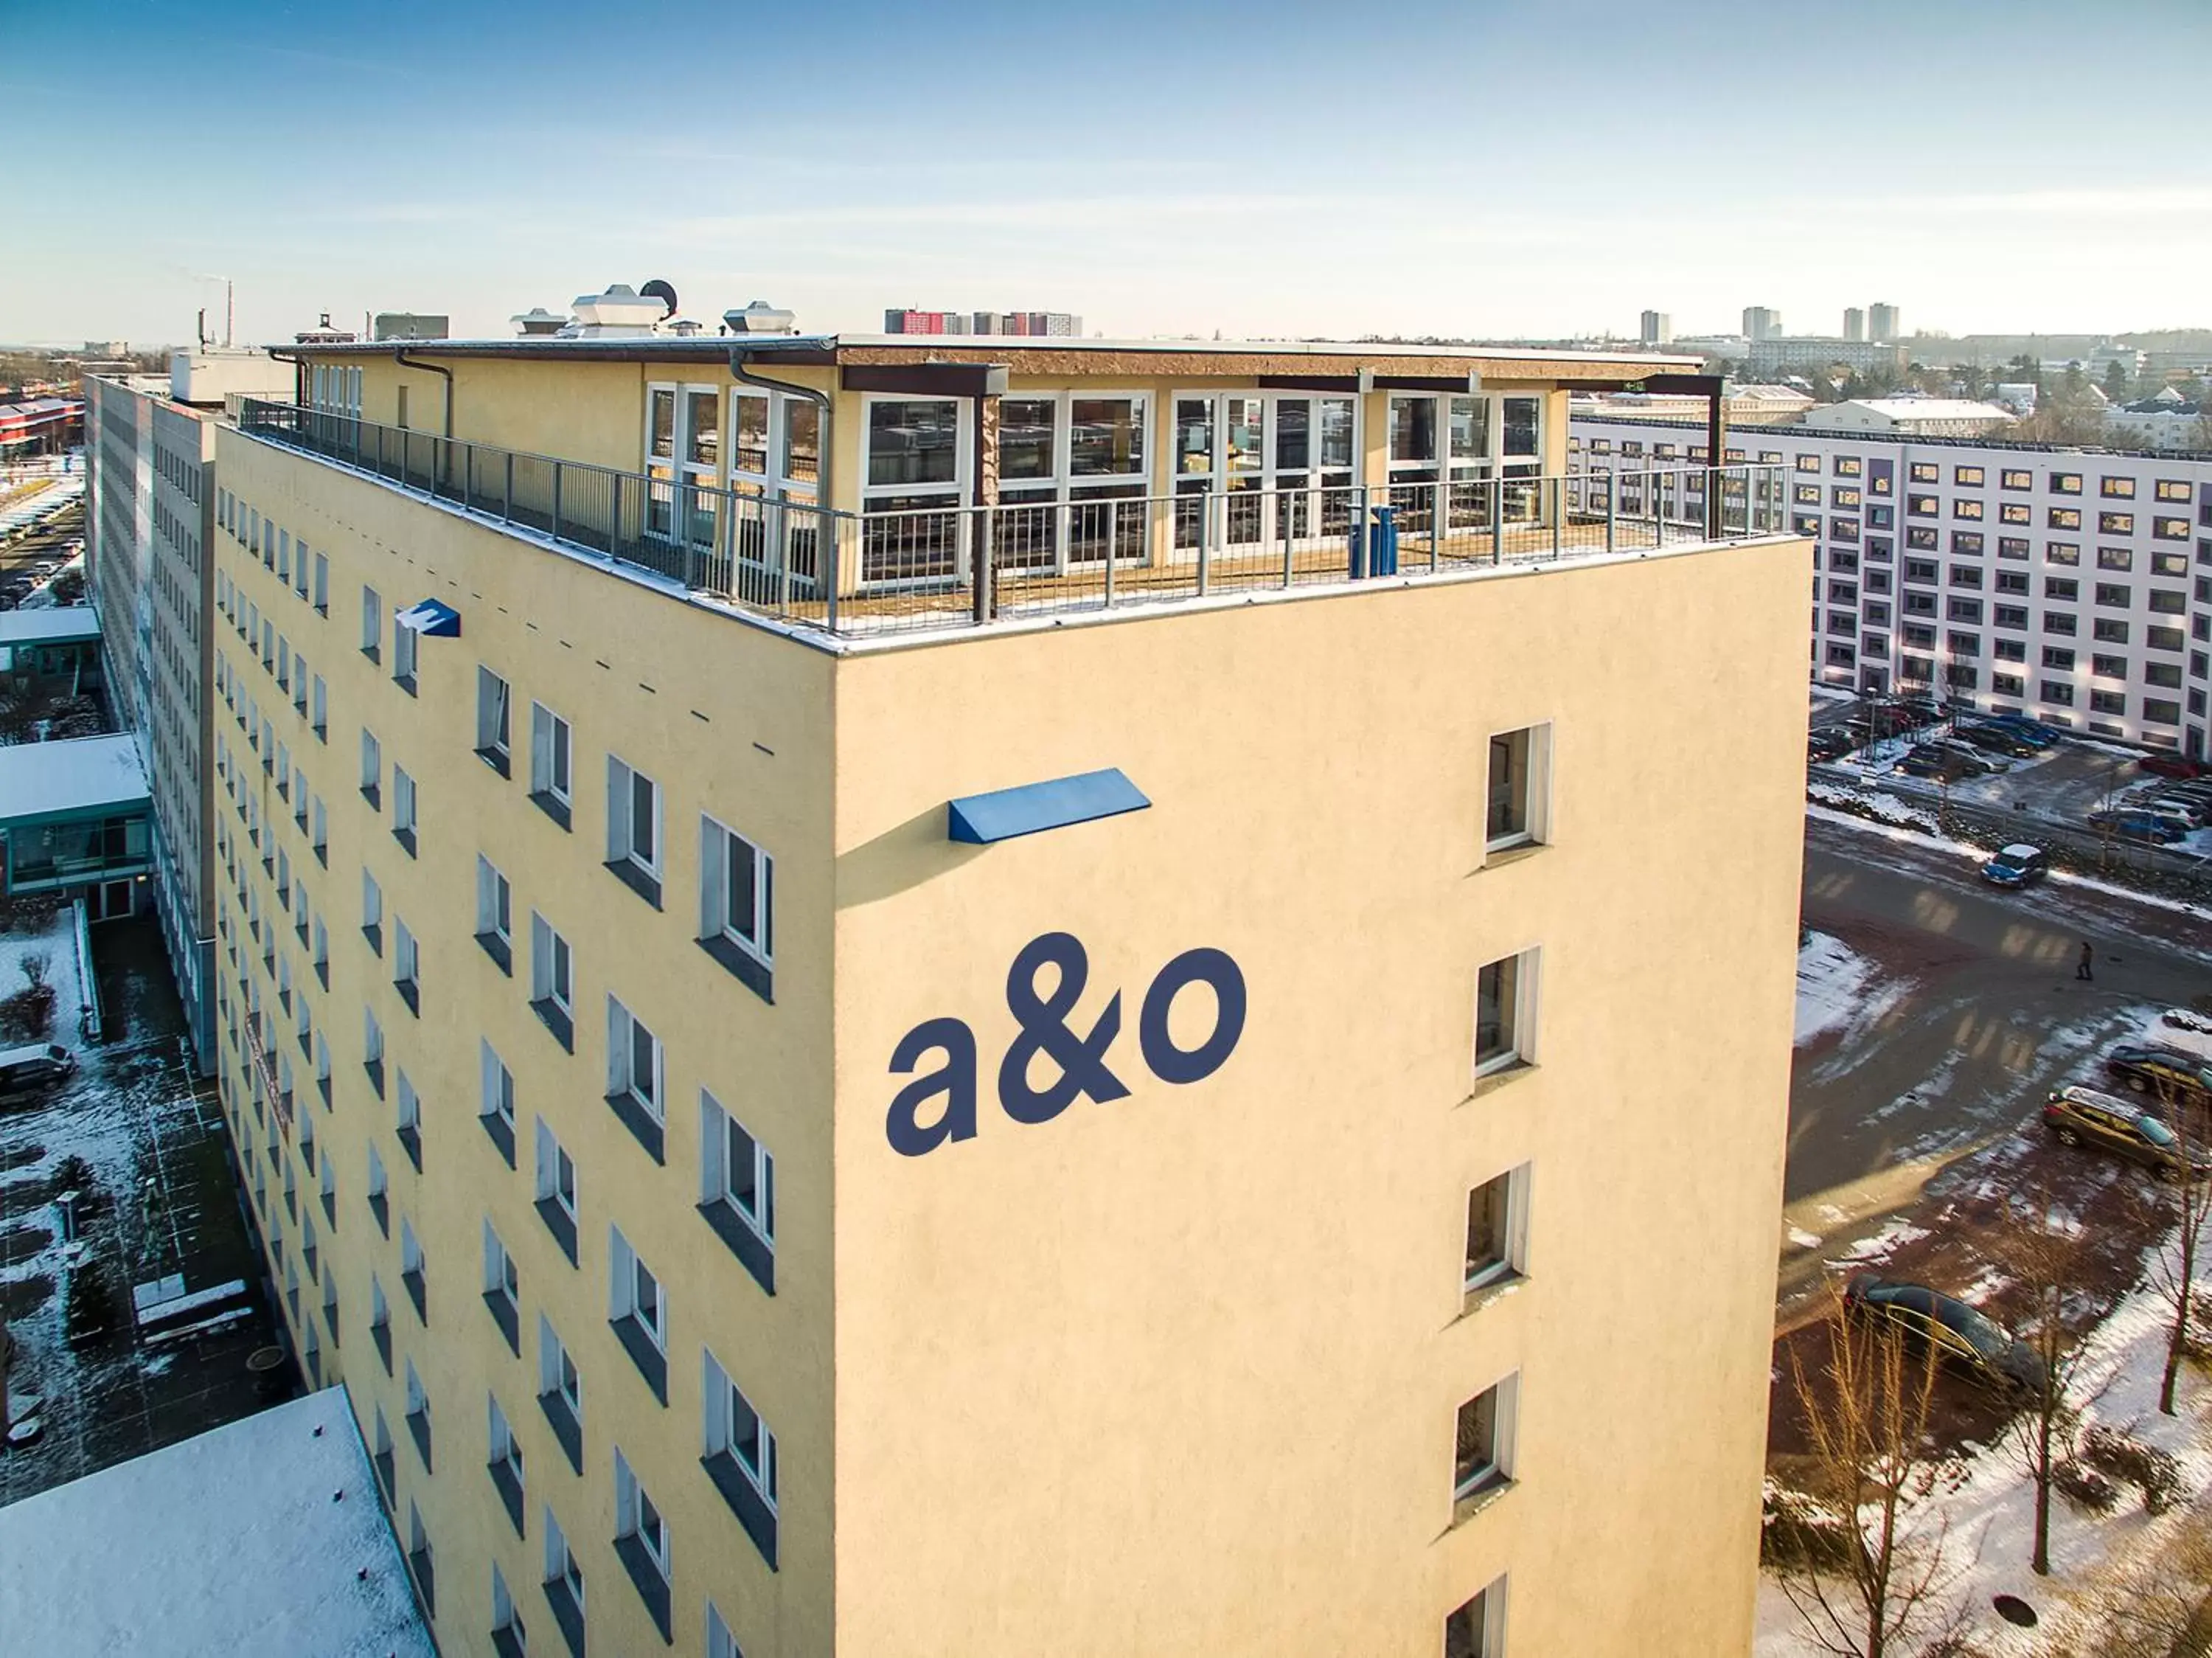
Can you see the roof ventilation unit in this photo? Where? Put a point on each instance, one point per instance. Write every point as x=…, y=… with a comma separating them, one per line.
x=760, y=318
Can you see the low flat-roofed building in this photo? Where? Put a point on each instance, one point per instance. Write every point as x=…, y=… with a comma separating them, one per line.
x=262, y=1536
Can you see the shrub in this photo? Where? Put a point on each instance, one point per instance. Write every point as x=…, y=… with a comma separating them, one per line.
x=28, y=1014
x=2124, y=1457
x=1796, y=1531
x=2085, y=1486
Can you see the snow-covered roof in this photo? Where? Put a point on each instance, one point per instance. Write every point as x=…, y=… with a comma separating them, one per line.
x=73, y=776
x=55, y=624
x=1928, y=408
x=262, y=1536
x=2018, y=850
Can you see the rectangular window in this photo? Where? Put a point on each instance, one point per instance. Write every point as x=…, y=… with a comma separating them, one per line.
x=2173, y=489
x=492, y=720
x=561, y=1392
x=502, y=1289
x=402, y=808
x=741, y=1455
x=1482, y=1456
x=637, y=1308
x=552, y=981
x=1504, y=1024
x=2058, y=692
x=409, y=1116
x=556, y=1192
x=1925, y=471
x=737, y=1193
x=2169, y=529
x=564, y=1583
x=322, y=584
x=2059, y=621
x=1966, y=477
x=321, y=718
x=635, y=1077
x=2060, y=587
x=418, y=1414
x=372, y=624
x=2058, y=657
x=642, y=1542
x=634, y=829
x=2114, y=595
x=371, y=768
x=1518, y=801
x=411, y=1269
x=406, y=966
x=494, y=930
x=2066, y=553
x=495, y=1099
x=549, y=763
x=372, y=912
x=1497, y=1230
x=505, y=1465
x=2116, y=523
x=2117, y=488
x=2107, y=702
x=1966, y=508
x=2015, y=512
x=2108, y=630
x=2108, y=668
x=1476, y=1628
x=737, y=894
x=404, y=639
x=2066, y=483
x=2064, y=518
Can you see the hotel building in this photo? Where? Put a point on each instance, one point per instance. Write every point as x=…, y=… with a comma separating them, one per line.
x=2074, y=585
x=905, y=999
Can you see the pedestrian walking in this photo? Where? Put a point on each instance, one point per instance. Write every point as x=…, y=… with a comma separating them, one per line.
x=2082, y=969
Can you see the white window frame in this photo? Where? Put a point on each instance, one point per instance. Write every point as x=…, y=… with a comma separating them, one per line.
x=553, y=1160
x=495, y=903
x=1309, y=522
x=1536, y=789
x=677, y=476
x=627, y=1276
x=622, y=781
x=372, y=622
x=552, y=755
x=1520, y=1047
x=557, y=1370
x=632, y=1506
x=407, y=1104
x=496, y=1097
x=561, y=1565
x=1490, y=1637
x=494, y=714
x=404, y=644
x=500, y=1275
x=716, y=840
x=716, y=1126
x=1498, y=1469
x=552, y=966
x=623, y=1028
x=403, y=802
x=372, y=762
x=720, y=1395
x=1509, y=1258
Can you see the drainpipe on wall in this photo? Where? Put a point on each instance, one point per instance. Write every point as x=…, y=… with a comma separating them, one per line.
x=826, y=571
x=445, y=454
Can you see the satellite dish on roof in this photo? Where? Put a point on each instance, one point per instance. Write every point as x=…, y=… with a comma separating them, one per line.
x=660, y=291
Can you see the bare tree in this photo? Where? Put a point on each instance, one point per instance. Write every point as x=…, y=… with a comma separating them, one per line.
x=34, y=964
x=2162, y=1608
x=1866, y=1420
x=2046, y=1250
x=2183, y=1202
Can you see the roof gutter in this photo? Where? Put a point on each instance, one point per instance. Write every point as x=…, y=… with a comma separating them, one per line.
x=298, y=375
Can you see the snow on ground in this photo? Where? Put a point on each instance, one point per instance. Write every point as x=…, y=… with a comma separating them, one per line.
x=1836, y=987
x=1984, y=1506
x=262, y=1536
x=1884, y=805
x=57, y=942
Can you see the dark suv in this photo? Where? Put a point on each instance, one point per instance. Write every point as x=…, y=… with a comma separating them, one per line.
x=2076, y=1116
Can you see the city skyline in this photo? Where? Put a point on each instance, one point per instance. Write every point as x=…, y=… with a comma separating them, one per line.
x=1176, y=199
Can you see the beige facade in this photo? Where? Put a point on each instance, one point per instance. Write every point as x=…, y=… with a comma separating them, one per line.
x=1173, y=1370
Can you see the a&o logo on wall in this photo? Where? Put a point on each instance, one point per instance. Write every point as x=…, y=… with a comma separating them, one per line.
x=1084, y=1059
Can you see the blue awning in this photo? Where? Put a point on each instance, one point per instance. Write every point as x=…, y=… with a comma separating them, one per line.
x=434, y=618
x=1004, y=814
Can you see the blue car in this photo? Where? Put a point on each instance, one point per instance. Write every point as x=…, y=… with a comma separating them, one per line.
x=2035, y=731
x=2018, y=865
x=2146, y=826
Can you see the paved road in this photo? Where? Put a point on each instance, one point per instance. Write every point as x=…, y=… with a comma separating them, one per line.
x=1982, y=1017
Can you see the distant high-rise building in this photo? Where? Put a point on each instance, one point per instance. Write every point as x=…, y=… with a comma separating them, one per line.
x=909, y=321
x=1883, y=320
x=1760, y=322
x=1658, y=328
x=1854, y=323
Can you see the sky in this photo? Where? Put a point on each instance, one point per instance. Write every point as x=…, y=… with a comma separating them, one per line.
x=1501, y=170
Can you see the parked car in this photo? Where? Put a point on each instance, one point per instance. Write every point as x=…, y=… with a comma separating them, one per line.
x=1999, y=740
x=1927, y=762
x=1883, y=722
x=2186, y=808
x=2034, y=730
x=1923, y=711
x=1958, y=1334
x=1975, y=762
x=1828, y=744
x=2079, y=1115
x=2173, y=765
x=40, y=1064
x=2148, y=827
x=2017, y=865
x=2144, y=1067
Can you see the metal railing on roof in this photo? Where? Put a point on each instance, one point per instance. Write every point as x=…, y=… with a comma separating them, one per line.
x=929, y=567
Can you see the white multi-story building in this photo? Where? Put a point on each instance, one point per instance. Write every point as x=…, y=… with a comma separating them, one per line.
x=2075, y=585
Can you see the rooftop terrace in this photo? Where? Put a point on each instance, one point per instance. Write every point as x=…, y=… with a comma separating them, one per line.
x=839, y=578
